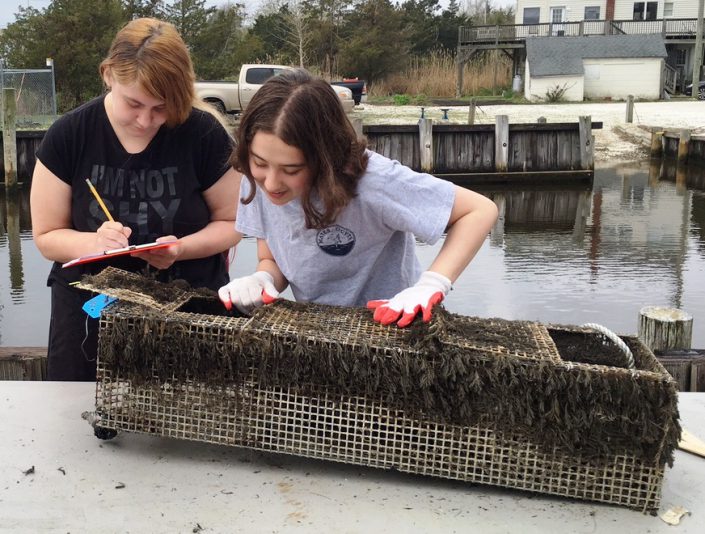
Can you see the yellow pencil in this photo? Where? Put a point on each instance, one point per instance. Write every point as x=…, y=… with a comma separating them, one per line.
x=100, y=200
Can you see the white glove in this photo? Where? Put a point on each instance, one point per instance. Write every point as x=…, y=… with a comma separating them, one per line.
x=430, y=290
x=249, y=292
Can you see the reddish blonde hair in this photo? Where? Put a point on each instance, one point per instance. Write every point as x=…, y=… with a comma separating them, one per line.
x=151, y=53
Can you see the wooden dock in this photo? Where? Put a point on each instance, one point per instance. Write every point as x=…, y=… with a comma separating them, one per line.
x=27, y=145
x=465, y=154
x=486, y=153
x=683, y=145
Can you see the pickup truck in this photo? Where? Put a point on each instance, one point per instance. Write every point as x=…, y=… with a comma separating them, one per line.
x=230, y=97
x=357, y=86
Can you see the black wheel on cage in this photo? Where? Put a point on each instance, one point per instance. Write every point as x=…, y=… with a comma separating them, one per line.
x=104, y=433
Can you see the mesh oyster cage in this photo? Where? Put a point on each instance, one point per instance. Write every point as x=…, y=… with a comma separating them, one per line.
x=544, y=408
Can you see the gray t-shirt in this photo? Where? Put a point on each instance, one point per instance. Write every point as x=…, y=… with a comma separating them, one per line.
x=369, y=253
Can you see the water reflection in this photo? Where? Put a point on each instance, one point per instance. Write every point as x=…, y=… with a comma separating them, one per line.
x=558, y=255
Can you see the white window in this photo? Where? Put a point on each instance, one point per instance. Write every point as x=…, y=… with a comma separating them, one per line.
x=645, y=10
x=668, y=9
x=557, y=14
x=592, y=13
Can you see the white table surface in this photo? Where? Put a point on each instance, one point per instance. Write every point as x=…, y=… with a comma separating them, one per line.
x=173, y=485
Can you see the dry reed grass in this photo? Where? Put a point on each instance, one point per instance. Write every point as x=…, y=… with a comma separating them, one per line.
x=435, y=75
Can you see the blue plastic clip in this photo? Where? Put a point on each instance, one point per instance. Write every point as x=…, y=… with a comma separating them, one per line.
x=94, y=306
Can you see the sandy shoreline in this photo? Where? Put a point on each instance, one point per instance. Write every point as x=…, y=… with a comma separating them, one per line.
x=616, y=141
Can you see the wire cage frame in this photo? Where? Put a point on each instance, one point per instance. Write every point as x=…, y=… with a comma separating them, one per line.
x=35, y=94
x=274, y=382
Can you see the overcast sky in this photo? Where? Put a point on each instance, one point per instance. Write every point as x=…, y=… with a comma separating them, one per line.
x=8, y=8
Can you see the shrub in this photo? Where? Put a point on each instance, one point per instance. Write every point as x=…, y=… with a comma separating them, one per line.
x=556, y=93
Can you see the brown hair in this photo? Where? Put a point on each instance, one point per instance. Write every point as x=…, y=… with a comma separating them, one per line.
x=152, y=53
x=304, y=112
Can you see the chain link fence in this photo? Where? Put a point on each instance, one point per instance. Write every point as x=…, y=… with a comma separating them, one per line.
x=35, y=96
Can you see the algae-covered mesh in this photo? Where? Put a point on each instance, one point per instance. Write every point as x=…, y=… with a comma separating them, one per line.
x=514, y=403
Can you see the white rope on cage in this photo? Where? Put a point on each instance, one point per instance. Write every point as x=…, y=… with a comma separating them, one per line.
x=615, y=339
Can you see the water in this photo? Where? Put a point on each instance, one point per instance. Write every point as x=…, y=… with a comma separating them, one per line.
x=566, y=256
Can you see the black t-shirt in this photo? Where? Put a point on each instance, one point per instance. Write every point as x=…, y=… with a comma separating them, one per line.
x=157, y=192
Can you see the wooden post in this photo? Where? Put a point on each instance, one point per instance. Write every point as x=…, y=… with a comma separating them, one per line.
x=630, y=109
x=357, y=126
x=681, y=180
x=460, y=64
x=683, y=144
x=581, y=215
x=655, y=170
x=501, y=143
x=14, y=244
x=663, y=329
x=657, y=143
x=497, y=231
x=426, y=144
x=587, y=157
x=9, y=137
x=23, y=363
x=471, y=111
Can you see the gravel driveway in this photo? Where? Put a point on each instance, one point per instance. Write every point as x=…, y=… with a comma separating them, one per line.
x=617, y=140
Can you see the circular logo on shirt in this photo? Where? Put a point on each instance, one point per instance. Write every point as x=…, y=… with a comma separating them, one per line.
x=335, y=240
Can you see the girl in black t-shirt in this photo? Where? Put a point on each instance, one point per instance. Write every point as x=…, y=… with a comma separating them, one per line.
x=159, y=161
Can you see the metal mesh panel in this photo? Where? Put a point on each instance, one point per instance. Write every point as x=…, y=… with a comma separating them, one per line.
x=34, y=95
x=272, y=382
x=365, y=432
x=100, y=284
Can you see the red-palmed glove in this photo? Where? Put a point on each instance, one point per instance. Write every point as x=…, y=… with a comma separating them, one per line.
x=249, y=292
x=421, y=297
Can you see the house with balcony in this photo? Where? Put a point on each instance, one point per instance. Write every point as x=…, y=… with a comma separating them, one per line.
x=672, y=22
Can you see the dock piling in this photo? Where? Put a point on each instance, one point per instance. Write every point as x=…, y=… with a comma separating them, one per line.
x=662, y=328
x=9, y=137
x=587, y=156
x=656, y=143
x=426, y=144
x=683, y=145
x=501, y=143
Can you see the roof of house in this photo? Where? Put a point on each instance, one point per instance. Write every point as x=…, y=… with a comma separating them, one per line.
x=553, y=56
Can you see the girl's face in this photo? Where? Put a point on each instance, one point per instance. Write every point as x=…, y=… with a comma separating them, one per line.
x=280, y=170
x=135, y=111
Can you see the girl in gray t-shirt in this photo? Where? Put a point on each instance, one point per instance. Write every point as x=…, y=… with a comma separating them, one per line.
x=337, y=222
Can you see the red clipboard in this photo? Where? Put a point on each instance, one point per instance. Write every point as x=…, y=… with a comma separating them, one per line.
x=120, y=252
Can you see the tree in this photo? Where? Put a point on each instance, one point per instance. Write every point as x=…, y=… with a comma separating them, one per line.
x=189, y=17
x=326, y=19
x=75, y=33
x=450, y=20
x=223, y=44
x=270, y=28
x=298, y=30
x=422, y=23
x=367, y=49
x=135, y=9
x=287, y=30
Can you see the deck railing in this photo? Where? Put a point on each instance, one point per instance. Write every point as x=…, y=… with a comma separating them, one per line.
x=669, y=28
x=670, y=81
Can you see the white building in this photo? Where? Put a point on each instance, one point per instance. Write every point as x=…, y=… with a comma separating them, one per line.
x=545, y=11
x=675, y=20
x=612, y=66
